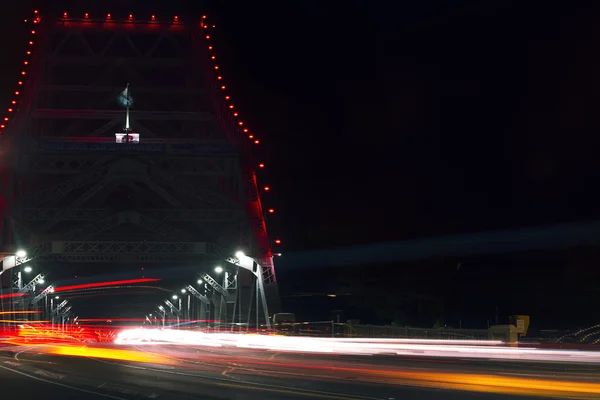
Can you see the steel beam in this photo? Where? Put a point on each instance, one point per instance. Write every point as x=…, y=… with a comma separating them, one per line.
x=157, y=115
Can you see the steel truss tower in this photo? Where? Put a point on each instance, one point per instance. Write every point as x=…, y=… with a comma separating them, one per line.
x=186, y=194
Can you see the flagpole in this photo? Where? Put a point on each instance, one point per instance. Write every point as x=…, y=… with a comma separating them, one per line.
x=127, y=128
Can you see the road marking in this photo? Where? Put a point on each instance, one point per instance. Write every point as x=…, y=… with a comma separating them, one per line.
x=14, y=364
x=48, y=374
x=230, y=369
x=256, y=386
x=21, y=352
x=62, y=384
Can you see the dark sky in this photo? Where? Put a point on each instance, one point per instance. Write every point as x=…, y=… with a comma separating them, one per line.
x=383, y=122
x=388, y=123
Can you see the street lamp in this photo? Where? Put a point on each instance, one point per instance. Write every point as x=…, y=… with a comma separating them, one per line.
x=174, y=297
x=218, y=269
x=199, y=281
x=27, y=269
x=182, y=290
x=21, y=254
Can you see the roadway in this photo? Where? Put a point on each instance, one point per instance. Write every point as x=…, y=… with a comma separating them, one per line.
x=211, y=374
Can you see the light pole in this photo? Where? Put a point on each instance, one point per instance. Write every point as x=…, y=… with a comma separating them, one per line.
x=9, y=261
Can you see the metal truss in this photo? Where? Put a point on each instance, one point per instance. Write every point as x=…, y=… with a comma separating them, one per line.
x=72, y=164
x=197, y=294
x=214, y=284
x=93, y=214
x=42, y=295
x=115, y=220
x=174, y=310
x=188, y=184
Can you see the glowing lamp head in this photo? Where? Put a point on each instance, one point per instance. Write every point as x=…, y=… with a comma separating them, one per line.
x=174, y=297
x=21, y=254
x=199, y=282
x=27, y=269
x=41, y=281
x=271, y=210
x=277, y=241
x=240, y=254
x=182, y=290
x=218, y=269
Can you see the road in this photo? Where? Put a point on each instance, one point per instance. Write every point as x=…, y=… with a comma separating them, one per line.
x=246, y=375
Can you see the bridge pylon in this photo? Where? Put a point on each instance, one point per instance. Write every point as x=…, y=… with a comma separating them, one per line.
x=169, y=178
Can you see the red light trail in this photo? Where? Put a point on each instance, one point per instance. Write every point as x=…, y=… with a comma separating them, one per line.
x=104, y=284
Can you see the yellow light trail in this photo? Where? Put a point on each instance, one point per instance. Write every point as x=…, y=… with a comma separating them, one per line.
x=109, y=354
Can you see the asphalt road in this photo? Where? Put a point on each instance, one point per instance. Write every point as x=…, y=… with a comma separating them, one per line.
x=224, y=375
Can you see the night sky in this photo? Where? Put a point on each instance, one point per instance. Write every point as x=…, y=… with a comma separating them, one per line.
x=383, y=123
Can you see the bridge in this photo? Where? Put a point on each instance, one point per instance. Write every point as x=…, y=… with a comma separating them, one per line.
x=168, y=179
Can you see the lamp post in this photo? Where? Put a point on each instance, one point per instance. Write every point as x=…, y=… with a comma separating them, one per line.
x=9, y=261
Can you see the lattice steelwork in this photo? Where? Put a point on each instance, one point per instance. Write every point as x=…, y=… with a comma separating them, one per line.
x=186, y=193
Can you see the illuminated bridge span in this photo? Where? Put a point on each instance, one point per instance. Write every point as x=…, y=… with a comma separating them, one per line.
x=185, y=194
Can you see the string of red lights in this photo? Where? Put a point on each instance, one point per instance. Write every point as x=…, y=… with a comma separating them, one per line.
x=231, y=107
x=26, y=62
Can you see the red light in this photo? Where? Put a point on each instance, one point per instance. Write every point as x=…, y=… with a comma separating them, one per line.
x=87, y=15
x=14, y=102
x=30, y=42
x=271, y=210
x=23, y=72
x=25, y=62
x=28, y=52
x=210, y=47
x=245, y=130
x=256, y=141
x=219, y=77
x=277, y=241
x=130, y=16
x=214, y=26
x=208, y=37
x=204, y=16
x=24, y=20
x=216, y=67
x=2, y=126
x=235, y=114
x=261, y=165
x=223, y=87
x=231, y=106
x=65, y=15
x=104, y=284
x=153, y=18
x=250, y=136
x=176, y=18
x=35, y=11
x=107, y=16
x=10, y=110
x=33, y=32
x=240, y=123
x=226, y=97
x=20, y=83
x=6, y=118
x=213, y=57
